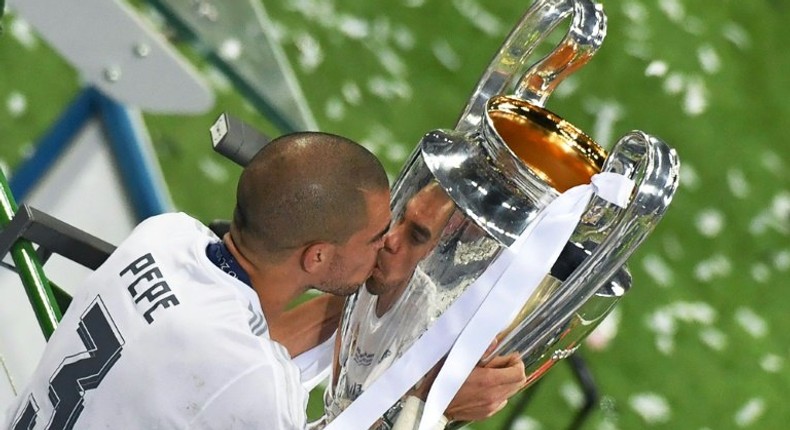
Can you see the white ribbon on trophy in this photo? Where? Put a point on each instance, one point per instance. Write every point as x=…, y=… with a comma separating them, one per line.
x=469, y=325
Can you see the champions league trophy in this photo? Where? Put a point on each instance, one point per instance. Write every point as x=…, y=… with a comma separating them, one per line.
x=478, y=208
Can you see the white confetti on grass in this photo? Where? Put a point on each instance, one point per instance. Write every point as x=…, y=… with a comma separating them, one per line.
x=572, y=394
x=749, y=413
x=610, y=409
x=714, y=338
x=351, y=92
x=384, y=144
x=319, y=11
x=391, y=61
x=717, y=266
x=781, y=205
x=653, y=408
x=760, y=224
x=665, y=338
x=376, y=35
x=335, y=109
x=689, y=176
x=780, y=208
x=709, y=59
x=16, y=104
x=709, y=222
x=752, y=323
x=354, y=27
x=380, y=32
x=479, y=17
x=638, y=34
x=695, y=101
x=635, y=11
x=665, y=344
x=694, y=25
x=567, y=88
x=776, y=217
x=673, y=247
x=658, y=270
x=736, y=181
x=396, y=153
x=283, y=33
x=608, y=423
x=673, y=9
x=664, y=321
x=638, y=49
x=737, y=35
x=526, y=423
x=403, y=38
x=674, y=83
x=782, y=260
x=772, y=363
x=310, y=52
x=26, y=150
x=656, y=68
x=761, y=273
x=389, y=89
x=377, y=139
x=692, y=88
x=772, y=161
x=607, y=113
x=213, y=170
x=23, y=33
x=694, y=312
x=446, y=55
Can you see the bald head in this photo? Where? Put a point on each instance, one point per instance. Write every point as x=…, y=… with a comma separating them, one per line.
x=303, y=188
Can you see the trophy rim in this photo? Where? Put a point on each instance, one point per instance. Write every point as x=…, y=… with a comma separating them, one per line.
x=571, y=143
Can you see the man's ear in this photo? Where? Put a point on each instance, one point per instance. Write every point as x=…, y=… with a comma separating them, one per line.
x=317, y=256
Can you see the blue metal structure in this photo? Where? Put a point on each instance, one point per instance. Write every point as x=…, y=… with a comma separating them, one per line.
x=134, y=162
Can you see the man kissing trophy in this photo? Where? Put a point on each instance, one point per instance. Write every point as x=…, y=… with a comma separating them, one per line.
x=515, y=225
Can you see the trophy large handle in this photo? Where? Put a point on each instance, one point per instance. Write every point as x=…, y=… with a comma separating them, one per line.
x=510, y=71
x=654, y=167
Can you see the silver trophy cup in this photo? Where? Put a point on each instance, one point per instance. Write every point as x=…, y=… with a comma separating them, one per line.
x=466, y=194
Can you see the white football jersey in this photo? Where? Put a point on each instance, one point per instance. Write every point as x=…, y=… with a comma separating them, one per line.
x=372, y=343
x=161, y=338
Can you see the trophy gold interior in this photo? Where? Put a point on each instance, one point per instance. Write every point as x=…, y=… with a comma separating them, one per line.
x=553, y=148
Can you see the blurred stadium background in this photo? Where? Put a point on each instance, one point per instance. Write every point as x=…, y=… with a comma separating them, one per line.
x=701, y=341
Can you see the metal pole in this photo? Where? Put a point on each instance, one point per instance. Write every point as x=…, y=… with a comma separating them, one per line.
x=29, y=268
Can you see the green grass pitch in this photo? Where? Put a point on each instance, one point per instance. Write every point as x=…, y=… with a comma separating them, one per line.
x=700, y=341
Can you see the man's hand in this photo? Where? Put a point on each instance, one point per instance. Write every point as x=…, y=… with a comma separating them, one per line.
x=487, y=389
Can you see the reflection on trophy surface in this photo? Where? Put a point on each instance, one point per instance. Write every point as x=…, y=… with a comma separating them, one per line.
x=412, y=236
x=467, y=195
x=397, y=294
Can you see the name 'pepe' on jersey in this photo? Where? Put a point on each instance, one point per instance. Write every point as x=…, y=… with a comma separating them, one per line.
x=159, y=338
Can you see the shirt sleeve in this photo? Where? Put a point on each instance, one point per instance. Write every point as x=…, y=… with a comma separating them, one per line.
x=316, y=363
x=256, y=399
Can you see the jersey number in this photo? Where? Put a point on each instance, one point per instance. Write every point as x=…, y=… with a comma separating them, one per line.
x=80, y=372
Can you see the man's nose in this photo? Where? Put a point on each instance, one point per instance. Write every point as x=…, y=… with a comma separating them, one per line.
x=392, y=240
